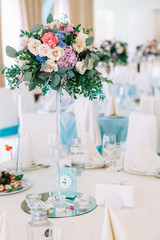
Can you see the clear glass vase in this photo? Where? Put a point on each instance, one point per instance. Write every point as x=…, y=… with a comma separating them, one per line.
x=58, y=202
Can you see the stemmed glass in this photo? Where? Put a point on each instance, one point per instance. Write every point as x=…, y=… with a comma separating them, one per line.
x=109, y=148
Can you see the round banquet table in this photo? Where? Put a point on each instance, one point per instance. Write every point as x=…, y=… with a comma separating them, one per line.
x=142, y=221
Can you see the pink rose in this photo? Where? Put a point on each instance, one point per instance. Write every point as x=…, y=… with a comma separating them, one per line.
x=50, y=39
x=68, y=29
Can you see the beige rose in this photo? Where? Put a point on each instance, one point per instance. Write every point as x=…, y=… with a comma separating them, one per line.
x=81, y=67
x=51, y=66
x=43, y=50
x=22, y=62
x=90, y=63
x=51, y=25
x=33, y=46
x=56, y=53
x=117, y=45
x=120, y=50
x=25, y=41
x=80, y=44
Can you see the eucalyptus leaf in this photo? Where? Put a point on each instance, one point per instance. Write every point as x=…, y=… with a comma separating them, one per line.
x=25, y=67
x=43, y=66
x=90, y=74
x=70, y=73
x=86, y=61
x=27, y=76
x=11, y=52
x=54, y=29
x=55, y=80
x=94, y=56
x=50, y=18
x=89, y=41
x=61, y=71
x=32, y=86
x=45, y=76
x=37, y=28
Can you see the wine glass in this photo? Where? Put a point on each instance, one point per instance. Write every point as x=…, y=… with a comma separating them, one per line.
x=108, y=148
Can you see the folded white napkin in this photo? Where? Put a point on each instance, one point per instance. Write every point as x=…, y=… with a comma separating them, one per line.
x=113, y=108
x=91, y=153
x=112, y=228
x=105, y=191
x=147, y=159
x=25, y=151
x=3, y=226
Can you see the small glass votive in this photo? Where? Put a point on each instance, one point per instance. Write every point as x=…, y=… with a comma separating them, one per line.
x=32, y=198
x=77, y=156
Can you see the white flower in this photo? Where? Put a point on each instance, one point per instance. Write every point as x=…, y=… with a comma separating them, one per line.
x=81, y=67
x=51, y=25
x=80, y=44
x=90, y=63
x=51, y=66
x=25, y=41
x=56, y=53
x=33, y=46
x=117, y=45
x=43, y=50
x=22, y=62
x=120, y=50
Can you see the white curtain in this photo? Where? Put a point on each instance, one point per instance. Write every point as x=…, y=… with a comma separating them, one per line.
x=11, y=25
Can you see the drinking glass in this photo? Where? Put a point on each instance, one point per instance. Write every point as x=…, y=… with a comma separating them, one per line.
x=108, y=148
x=123, y=151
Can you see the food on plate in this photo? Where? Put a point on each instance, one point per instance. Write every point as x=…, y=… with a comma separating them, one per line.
x=10, y=182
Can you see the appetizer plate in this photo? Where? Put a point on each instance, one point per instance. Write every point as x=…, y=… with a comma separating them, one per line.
x=26, y=183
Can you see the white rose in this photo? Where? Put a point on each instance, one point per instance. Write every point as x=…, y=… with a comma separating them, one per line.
x=51, y=66
x=81, y=67
x=118, y=45
x=33, y=46
x=90, y=63
x=80, y=44
x=56, y=53
x=51, y=25
x=43, y=50
x=25, y=41
x=22, y=62
x=120, y=50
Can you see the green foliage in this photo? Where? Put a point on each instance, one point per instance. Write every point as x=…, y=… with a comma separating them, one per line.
x=11, y=52
x=89, y=41
x=50, y=18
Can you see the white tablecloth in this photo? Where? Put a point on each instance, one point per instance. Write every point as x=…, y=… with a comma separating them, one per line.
x=142, y=222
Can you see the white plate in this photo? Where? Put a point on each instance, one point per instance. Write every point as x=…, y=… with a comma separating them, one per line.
x=26, y=183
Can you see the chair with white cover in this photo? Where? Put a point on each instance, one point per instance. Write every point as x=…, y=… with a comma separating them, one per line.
x=86, y=121
x=8, y=112
x=143, y=83
x=35, y=129
x=143, y=127
x=151, y=105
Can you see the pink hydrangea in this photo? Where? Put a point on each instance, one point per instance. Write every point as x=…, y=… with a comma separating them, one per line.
x=69, y=59
x=68, y=29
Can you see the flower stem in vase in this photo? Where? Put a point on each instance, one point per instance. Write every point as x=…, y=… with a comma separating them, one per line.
x=58, y=202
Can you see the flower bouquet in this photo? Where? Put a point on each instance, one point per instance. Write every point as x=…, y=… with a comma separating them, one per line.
x=58, y=56
x=150, y=48
x=113, y=51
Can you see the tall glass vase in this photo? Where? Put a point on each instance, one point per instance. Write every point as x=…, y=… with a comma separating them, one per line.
x=58, y=202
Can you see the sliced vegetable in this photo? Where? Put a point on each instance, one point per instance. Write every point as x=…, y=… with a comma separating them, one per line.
x=2, y=188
